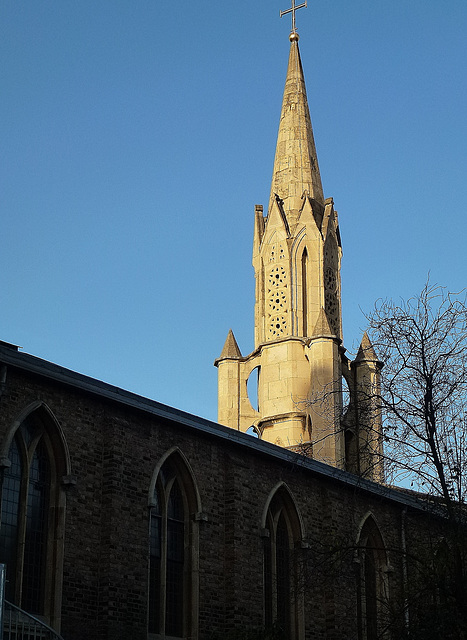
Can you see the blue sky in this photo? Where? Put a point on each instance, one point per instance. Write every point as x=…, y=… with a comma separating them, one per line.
x=136, y=137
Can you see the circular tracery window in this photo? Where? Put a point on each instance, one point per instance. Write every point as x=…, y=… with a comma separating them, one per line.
x=278, y=302
x=277, y=326
x=277, y=277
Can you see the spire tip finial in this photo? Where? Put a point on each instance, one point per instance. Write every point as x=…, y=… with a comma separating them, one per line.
x=293, y=34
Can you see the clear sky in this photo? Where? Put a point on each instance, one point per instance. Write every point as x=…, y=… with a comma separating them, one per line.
x=136, y=136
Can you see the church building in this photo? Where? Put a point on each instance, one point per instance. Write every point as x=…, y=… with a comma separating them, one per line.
x=125, y=519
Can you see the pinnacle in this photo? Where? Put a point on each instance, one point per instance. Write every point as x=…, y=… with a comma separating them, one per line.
x=231, y=348
x=366, y=351
x=322, y=327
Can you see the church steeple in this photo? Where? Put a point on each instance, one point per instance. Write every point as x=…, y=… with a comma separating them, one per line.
x=296, y=257
x=295, y=165
x=298, y=360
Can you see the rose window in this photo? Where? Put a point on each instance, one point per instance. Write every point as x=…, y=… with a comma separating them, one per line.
x=277, y=326
x=277, y=278
x=277, y=302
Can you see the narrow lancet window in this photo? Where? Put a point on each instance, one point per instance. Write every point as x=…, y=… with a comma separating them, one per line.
x=12, y=517
x=372, y=585
x=173, y=540
x=34, y=558
x=282, y=608
x=305, y=292
x=23, y=539
x=32, y=511
x=166, y=563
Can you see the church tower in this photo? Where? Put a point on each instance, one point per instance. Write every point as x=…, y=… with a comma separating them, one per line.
x=298, y=361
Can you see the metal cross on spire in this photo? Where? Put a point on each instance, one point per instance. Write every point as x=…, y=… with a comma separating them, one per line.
x=292, y=10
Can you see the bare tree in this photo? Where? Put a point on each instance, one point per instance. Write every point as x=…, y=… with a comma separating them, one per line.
x=423, y=399
x=423, y=344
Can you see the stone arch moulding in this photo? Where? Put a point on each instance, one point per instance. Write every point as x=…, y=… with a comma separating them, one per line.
x=249, y=365
x=281, y=487
x=299, y=244
x=282, y=533
x=182, y=465
x=372, y=580
x=252, y=387
x=369, y=520
x=246, y=369
x=298, y=247
x=56, y=478
x=161, y=617
x=56, y=430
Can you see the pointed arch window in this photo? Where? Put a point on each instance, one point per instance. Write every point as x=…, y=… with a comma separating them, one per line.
x=282, y=598
x=31, y=512
x=305, y=292
x=173, y=551
x=372, y=588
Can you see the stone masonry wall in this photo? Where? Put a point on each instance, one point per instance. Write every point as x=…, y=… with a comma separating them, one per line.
x=114, y=450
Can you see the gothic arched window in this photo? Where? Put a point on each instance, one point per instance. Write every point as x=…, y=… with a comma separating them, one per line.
x=282, y=535
x=31, y=512
x=372, y=582
x=304, y=265
x=173, y=550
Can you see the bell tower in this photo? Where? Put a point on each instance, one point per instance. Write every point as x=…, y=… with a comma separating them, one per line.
x=298, y=358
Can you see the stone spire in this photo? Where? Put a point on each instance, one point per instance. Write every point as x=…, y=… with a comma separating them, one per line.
x=366, y=352
x=295, y=165
x=231, y=348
